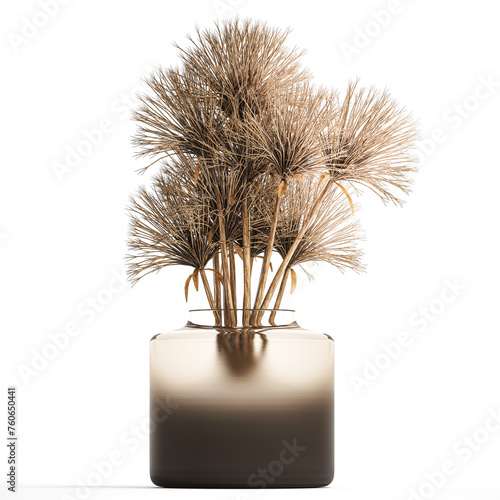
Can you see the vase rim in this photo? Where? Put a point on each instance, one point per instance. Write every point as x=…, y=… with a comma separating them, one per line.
x=242, y=309
x=241, y=318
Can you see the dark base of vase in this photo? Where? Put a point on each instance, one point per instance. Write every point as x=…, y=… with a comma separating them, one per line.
x=240, y=482
x=271, y=446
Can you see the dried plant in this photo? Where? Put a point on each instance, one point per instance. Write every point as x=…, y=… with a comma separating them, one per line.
x=369, y=143
x=172, y=224
x=243, y=63
x=332, y=235
x=254, y=161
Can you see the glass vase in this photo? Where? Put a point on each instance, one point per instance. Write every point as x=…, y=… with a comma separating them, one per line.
x=240, y=406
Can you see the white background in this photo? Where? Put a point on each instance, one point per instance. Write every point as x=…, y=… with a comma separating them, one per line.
x=63, y=240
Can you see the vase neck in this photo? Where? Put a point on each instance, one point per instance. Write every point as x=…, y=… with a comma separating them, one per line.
x=242, y=318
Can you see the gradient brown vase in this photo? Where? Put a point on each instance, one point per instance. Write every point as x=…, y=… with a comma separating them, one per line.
x=242, y=407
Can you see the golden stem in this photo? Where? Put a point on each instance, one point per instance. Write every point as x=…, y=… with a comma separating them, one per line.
x=279, y=298
x=267, y=255
x=232, y=268
x=281, y=271
x=228, y=296
x=247, y=264
x=210, y=297
x=217, y=282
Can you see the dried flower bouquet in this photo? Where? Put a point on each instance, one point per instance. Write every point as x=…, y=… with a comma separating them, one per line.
x=255, y=159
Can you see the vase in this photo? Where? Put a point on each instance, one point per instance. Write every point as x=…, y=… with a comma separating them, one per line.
x=242, y=407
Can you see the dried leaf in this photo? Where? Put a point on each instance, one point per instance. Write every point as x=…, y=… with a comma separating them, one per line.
x=219, y=275
x=186, y=286
x=293, y=285
x=282, y=188
x=348, y=196
x=270, y=263
x=196, y=173
x=239, y=251
x=324, y=175
x=195, y=279
x=211, y=236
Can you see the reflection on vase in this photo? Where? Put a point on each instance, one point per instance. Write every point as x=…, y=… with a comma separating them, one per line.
x=238, y=350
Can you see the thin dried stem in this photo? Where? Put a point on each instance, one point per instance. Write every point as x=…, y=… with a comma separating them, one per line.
x=232, y=270
x=210, y=297
x=247, y=265
x=217, y=283
x=281, y=293
x=288, y=257
x=228, y=296
x=332, y=234
x=266, y=263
